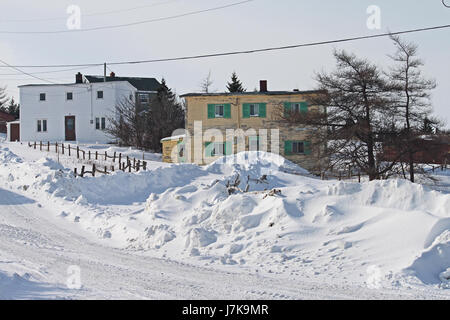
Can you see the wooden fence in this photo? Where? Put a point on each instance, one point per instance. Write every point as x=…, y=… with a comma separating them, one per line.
x=125, y=163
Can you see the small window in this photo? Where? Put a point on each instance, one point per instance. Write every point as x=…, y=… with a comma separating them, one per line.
x=42, y=97
x=103, y=123
x=42, y=126
x=99, y=94
x=69, y=96
x=296, y=107
x=97, y=123
x=143, y=98
x=131, y=97
x=219, y=111
x=298, y=147
x=254, y=110
x=253, y=143
x=219, y=149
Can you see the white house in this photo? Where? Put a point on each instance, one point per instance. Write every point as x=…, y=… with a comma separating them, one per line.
x=78, y=111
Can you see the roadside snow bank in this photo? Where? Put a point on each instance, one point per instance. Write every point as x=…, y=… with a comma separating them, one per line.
x=286, y=222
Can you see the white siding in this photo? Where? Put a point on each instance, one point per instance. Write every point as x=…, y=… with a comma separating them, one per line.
x=85, y=107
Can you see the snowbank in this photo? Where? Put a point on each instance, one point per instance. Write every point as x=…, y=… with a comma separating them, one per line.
x=287, y=222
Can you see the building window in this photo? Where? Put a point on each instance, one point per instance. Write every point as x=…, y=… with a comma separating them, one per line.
x=42, y=97
x=42, y=126
x=296, y=107
x=218, y=149
x=69, y=96
x=99, y=94
x=254, y=110
x=298, y=147
x=253, y=143
x=144, y=98
x=100, y=123
x=219, y=111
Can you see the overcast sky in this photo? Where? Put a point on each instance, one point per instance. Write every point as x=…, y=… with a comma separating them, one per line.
x=257, y=24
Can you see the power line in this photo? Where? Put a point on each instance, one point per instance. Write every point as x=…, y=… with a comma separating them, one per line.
x=46, y=72
x=303, y=45
x=93, y=14
x=129, y=24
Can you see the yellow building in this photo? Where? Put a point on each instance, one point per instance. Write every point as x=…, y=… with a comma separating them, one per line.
x=247, y=121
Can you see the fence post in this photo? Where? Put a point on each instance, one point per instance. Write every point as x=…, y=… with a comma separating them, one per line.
x=112, y=168
x=56, y=147
x=82, y=171
x=138, y=165
x=69, y=150
x=96, y=155
x=84, y=154
x=129, y=165
x=78, y=152
x=35, y=145
x=359, y=177
x=62, y=148
x=75, y=172
x=134, y=163
x=114, y=158
x=48, y=146
x=89, y=154
x=144, y=163
x=106, y=170
x=40, y=146
x=93, y=170
x=120, y=158
x=106, y=156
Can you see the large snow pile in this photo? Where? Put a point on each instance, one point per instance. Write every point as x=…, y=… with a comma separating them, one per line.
x=379, y=233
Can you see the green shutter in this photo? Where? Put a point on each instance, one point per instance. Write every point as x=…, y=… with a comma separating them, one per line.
x=262, y=110
x=304, y=107
x=227, y=111
x=209, y=146
x=180, y=145
x=211, y=111
x=287, y=148
x=307, y=147
x=228, y=148
x=287, y=108
x=246, y=110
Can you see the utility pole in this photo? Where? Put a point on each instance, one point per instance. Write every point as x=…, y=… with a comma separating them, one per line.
x=104, y=72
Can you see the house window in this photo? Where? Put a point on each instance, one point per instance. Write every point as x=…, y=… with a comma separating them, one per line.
x=254, y=110
x=99, y=94
x=219, y=111
x=143, y=98
x=296, y=107
x=42, y=126
x=69, y=96
x=100, y=123
x=42, y=97
x=218, y=149
x=298, y=147
x=253, y=143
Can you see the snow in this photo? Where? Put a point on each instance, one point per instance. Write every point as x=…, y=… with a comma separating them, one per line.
x=378, y=239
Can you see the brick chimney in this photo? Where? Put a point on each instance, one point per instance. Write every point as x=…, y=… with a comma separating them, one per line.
x=112, y=75
x=263, y=86
x=79, y=78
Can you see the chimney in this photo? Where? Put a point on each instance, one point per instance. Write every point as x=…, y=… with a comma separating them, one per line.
x=263, y=86
x=112, y=74
x=79, y=78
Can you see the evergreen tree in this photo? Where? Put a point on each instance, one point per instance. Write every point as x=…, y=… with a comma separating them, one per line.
x=165, y=116
x=13, y=108
x=235, y=85
x=3, y=99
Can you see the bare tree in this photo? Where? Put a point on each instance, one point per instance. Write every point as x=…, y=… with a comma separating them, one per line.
x=206, y=83
x=411, y=98
x=128, y=124
x=356, y=116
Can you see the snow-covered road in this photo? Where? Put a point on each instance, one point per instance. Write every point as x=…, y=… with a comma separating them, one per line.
x=39, y=247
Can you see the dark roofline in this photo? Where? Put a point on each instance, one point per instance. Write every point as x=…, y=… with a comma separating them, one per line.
x=141, y=84
x=268, y=93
